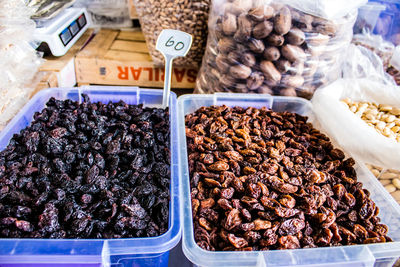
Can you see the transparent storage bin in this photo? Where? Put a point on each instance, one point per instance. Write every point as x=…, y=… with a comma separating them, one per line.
x=150, y=251
x=381, y=17
x=383, y=254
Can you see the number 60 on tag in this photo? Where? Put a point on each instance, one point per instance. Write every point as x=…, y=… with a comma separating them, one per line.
x=174, y=43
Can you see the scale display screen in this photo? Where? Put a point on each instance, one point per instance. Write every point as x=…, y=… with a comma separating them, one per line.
x=68, y=33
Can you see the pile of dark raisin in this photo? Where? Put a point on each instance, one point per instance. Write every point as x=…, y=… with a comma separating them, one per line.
x=264, y=180
x=88, y=170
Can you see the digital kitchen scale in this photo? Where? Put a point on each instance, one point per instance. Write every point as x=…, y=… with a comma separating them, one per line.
x=61, y=32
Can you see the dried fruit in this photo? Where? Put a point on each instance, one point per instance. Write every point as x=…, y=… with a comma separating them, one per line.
x=88, y=170
x=275, y=183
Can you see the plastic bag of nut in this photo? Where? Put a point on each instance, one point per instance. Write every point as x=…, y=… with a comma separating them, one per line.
x=185, y=15
x=263, y=46
x=364, y=117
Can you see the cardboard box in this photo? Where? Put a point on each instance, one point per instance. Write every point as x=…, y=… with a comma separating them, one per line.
x=122, y=58
x=64, y=67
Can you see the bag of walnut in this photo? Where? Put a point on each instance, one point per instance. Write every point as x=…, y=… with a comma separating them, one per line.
x=281, y=47
x=185, y=15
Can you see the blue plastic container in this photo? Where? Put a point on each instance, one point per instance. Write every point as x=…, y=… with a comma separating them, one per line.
x=384, y=254
x=381, y=17
x=151, y=251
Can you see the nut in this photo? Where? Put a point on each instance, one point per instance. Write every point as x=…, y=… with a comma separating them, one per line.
x=249, y=59
x=292, y=81
x=275, y=39
x=271, y=73
x=244, y=30
x=226, y=45
x=271, y=53
x=283, y=65
x=240, y=71
x=288, y=92
x=296, y=37
x=257, y=46
x=293, y=53
x=396, y=183
x=378, y=116
x=390, y=188
x=229, y=24
x=264, y=89
x=222, y=63
x=255, y=80
x=388, y=175
x=261, y=13
x=283, y=21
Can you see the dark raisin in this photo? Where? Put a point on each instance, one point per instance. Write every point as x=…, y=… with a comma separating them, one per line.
x=88, y=170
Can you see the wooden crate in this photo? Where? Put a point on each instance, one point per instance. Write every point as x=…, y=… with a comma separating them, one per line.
x=64, y=67
x=47, y=80
x=122, y=58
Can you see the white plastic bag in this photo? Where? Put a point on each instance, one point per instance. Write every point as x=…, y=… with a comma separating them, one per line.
x=351, y=132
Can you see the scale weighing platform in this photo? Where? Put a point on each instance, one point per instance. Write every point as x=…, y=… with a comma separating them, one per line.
x=61, y=32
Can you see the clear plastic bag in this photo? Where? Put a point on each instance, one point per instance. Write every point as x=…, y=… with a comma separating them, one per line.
x=393, y=67
x=377, y=44
x=327, y=9
x=387, y=52
x=261, y=46
x=107, y=13
x=362, y=62
x=189, y=16
x=353, y=133
x=19, y=62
